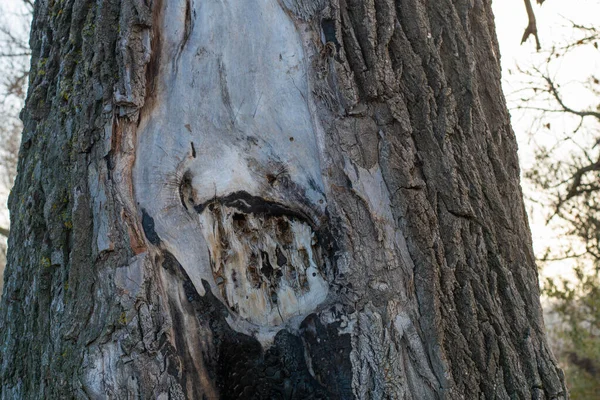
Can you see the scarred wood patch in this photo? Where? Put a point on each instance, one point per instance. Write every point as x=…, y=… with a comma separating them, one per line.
x=268, y=268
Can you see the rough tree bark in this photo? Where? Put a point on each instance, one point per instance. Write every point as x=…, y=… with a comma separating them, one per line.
x=269, y=199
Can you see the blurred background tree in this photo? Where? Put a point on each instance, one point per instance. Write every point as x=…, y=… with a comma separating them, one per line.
x=14, y=72
x=566, y=176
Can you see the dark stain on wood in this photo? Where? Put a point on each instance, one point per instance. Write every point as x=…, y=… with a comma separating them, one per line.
x=148, y=225
x=243, y=370
x=185, y=188
x=249, y=204
x=281, y=258
x=267, y=269
x=180, y=360
x=330, y=355
x=153, y=66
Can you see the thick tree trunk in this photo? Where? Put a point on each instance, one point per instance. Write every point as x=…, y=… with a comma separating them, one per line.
x=269, y=199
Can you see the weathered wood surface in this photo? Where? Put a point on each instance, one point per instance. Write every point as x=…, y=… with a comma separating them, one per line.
x=269, y=199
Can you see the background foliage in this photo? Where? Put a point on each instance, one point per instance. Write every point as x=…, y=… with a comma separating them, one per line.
x=566, y=177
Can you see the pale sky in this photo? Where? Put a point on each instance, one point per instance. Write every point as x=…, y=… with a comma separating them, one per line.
x=511, y=20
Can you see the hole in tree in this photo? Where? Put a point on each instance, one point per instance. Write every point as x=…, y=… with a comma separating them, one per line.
x=328, y=26
x=239, y=217
x=267, y=269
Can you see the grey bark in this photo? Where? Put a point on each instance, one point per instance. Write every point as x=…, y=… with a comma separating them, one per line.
x=263, y=199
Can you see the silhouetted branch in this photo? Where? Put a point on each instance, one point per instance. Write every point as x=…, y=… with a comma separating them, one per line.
x=554, y=92
x=531, y=27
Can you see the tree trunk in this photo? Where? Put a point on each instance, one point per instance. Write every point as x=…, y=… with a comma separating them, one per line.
x=269, y=199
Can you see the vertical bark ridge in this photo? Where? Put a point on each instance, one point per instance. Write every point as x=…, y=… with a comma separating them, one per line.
x=455, y=121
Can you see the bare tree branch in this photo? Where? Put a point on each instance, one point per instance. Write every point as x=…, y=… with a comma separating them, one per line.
x=4, y=231
x=532, y=27
x=554, y=91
